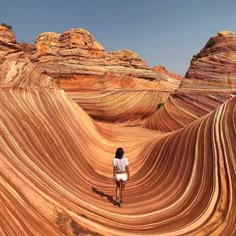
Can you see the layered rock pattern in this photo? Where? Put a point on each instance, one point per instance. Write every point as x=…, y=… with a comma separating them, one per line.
x=16, y=69
x=6, y=36
x=76, y=52
x=182, y=108
x=209, y=81
x=53, y=180
x=214, y=67
x=79, y=63
x=163, y=70
x=55, y=160
x=123, y=105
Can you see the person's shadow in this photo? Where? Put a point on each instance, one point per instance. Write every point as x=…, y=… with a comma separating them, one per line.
x=102, y=194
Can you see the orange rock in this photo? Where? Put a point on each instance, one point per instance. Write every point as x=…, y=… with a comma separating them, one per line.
x=56, y=174
x=209, y=81
x=162, y=69
x=78, y=62
x=6, y=35
x=77, y=52
x=214, y=67
x=55, y=160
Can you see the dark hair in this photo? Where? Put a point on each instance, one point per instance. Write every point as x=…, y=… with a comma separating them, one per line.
x=119, y=153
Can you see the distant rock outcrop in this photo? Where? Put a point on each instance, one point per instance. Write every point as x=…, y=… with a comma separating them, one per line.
x=214, y=67
x=6, y=35
x=79, y=65
x=15, y=66
x=75, y=54
x=163, y=70
x=209, y=81
x=56, y=161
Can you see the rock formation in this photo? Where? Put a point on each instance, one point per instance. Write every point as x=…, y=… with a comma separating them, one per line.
x=55, y=160
x=163, y=70
x=16, y=69
x=79, y=65
x=214, y=68
x=181, y=183
x=6, y=35
x=209, y=81
x=76, y=52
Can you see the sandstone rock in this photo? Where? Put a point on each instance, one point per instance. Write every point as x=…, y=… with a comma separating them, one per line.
x=27, y=48
x=51, y=186
x=8, y=45
x=6, y=35
x=209, y=81
x=78, y=63
x=163, y=70
x=46, y=43
x=81, y=38
x=214, y=68
x=55, y=160
x=22, y=73
x=77, y=52
x=16, y=69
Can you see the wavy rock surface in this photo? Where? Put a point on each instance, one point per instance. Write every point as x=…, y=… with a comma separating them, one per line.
x=117, y=106
x=79, y=65
x=214, y=67
x=6, y=35
x=182, y=108
x=55, y=160
x=209, y=81
x=16, y=69
x=51, y=186
x=163, y=70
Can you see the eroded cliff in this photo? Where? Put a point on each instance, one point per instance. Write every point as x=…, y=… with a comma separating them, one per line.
x=55, y=160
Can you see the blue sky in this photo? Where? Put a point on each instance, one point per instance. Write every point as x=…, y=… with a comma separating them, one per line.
x=167, y=32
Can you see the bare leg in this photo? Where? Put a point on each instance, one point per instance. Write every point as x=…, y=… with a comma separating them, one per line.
x=122, y=190
x=117, y=189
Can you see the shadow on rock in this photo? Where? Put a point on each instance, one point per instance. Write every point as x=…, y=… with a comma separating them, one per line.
x=102, y=194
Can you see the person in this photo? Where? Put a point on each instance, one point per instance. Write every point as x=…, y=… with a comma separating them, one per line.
x=120, y=174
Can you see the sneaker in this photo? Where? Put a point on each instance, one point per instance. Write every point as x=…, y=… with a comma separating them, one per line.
x=121, y=204
x=118, y=200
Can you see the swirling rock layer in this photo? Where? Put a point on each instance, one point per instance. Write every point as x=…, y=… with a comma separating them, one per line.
x=55, y=159
x=79, y=62
x=215, y=66
x=54, y=182
x=77, y=52
x=209, y=81
x=182, y=108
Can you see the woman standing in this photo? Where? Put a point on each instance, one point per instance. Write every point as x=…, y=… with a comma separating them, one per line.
x=120, y=174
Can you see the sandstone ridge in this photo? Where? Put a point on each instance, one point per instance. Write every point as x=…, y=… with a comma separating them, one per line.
x=214, y=67
x=77, y=52
x=56, y=158
x=209, y=82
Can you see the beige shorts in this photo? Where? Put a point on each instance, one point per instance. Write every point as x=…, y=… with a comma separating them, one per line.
x=122, y=177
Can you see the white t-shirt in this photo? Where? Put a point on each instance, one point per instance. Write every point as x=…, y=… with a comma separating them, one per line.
x=120, y=164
